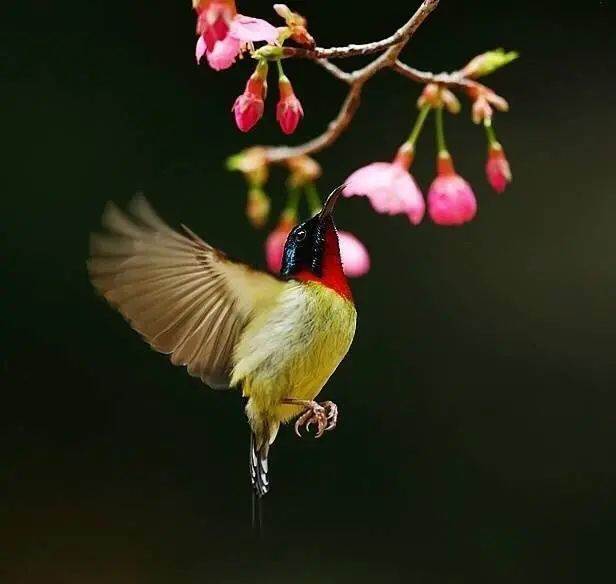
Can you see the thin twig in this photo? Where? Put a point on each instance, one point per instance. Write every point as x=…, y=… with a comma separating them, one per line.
x=356, y=80
x=455, y=79
x=335, y=70
x=403, y=33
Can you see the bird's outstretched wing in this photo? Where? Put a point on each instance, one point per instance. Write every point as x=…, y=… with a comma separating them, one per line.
x=184, y=297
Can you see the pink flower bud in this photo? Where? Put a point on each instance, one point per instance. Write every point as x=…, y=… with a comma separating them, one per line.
x=498, y=171
x=450, y=199
x=248, y=107
x=289, y=109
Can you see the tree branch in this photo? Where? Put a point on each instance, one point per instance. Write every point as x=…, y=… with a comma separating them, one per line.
x=356, y=79
x=455, y=79
x=335, y=70
x=402, y=34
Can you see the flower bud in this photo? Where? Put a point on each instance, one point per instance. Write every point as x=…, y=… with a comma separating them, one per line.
x=498, y=171
x=451, y=200
x=248, y=107
x=289, y=110
x=488, y=62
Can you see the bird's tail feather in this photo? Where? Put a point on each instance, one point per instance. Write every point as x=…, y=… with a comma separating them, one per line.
x=258, y=465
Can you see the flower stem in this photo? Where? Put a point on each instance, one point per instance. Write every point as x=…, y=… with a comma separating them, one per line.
x=293, y=200
x=279, y=65
x=314, y=200
x=440, y=132
x=490, y=133
x=419, y=122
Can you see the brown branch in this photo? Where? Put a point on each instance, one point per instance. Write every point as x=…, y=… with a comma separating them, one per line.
x=455, y=79
x=356, y=80
x=402, y=34
x=335, y=70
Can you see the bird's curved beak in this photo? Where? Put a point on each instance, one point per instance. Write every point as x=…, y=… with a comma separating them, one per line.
x=330, y=203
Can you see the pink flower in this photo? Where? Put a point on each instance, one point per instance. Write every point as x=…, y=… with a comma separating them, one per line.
x=274, y=245
x=389, y=186
x=223, y=33
x=498, y=171
x=222, y=56
x=248, y=107
x=289, y=110
x=252, y=30
x=354, y=255
x=450, y=199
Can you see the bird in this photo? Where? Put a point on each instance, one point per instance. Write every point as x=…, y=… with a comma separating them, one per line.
x=277, y=338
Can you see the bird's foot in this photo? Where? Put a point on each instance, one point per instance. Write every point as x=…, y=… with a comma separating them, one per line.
x=324, y=415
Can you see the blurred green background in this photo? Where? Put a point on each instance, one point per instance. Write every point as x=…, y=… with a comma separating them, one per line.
x=477, y=440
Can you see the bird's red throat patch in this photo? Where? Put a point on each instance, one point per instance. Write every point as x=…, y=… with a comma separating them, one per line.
x=332, y=274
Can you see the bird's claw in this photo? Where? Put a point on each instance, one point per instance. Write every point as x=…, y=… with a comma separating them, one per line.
x=324, y=415
x=331, y=409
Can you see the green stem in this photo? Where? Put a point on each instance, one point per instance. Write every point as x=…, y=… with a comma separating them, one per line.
x=279, y=65
x=419, y=123
x=490, y=133
x=314, y=200
x=293, y=200
x=440, y=132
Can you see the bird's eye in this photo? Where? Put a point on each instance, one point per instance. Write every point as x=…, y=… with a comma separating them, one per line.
x=300, y=235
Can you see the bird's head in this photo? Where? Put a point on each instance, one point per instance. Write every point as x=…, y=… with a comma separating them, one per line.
x=312, y=251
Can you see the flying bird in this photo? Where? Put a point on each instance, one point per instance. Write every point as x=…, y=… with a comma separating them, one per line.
x=278, y=339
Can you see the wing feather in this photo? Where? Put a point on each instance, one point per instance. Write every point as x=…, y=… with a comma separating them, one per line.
x=182, y=295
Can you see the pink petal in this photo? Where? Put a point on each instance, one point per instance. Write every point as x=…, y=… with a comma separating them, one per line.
x=200, y=49
x=390, y=188
x=354, y=255
x=274, y=248
x=289, y=112
x=249, y=29
x=224, y=54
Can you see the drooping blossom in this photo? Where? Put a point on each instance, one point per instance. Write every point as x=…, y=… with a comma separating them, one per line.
x=289, y=110
x=354, y=255
x=450, y=199
x=223, y=33
x=389, y=186
x=248, y=107
x=498, y=171
x=274, y=244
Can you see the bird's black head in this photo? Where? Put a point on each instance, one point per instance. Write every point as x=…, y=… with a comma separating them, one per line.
x=312, y=244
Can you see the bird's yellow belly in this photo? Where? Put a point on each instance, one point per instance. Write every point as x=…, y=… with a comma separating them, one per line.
x=293, y=349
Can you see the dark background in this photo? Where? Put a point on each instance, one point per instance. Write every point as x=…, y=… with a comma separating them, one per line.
x=478, y=404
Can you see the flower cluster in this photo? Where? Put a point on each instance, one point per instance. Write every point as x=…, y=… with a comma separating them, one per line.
x=392, y=190
x=224, y=35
